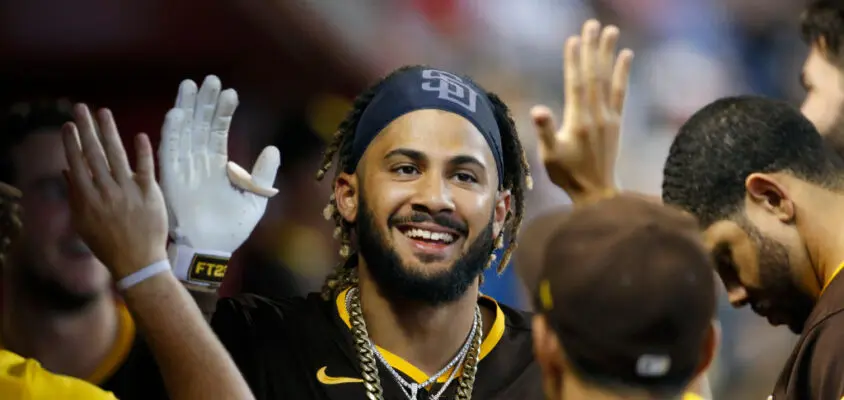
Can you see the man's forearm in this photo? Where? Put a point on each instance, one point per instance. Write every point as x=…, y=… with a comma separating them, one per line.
x=193, y=362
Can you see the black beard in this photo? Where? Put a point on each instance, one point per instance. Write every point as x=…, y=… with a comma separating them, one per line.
x=399, y=281
x=777, y=283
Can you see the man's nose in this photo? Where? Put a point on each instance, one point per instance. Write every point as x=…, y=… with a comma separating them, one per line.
x=434, y=195
x=738, y=296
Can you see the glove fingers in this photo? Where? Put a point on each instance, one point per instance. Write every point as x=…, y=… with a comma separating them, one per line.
x=261, y=181
x=170, y=149
x=243, y=180
x=206, y=105
x=266, y=167
x=219, y=140
x=186, y=99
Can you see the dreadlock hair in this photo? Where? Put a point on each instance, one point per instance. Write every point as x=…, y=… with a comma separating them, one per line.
x=10, y=224
x=516, y=178
x=24, y=119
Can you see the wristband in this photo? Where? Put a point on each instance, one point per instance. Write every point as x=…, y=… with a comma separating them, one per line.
x=204, y=268
x=143, y=274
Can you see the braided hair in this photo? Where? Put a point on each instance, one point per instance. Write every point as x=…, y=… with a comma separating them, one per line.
x=516, y=179
x=10, y=224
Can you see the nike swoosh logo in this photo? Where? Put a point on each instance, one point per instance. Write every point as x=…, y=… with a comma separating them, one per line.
x=331, y=380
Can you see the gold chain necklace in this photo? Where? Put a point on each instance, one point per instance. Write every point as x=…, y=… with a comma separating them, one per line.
x=369, y=363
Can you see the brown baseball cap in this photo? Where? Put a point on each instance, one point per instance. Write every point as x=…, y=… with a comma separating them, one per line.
x=630, y=291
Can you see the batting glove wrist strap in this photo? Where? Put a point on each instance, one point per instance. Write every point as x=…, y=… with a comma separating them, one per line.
x=199, y=268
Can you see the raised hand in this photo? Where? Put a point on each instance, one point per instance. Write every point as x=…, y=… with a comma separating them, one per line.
x=214, y=204
x=119, y=213
x=580, y=157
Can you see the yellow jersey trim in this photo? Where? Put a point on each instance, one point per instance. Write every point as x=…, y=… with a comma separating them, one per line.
x=119, y=351
x=691, y=396
x=834, y=274
x=398, y=363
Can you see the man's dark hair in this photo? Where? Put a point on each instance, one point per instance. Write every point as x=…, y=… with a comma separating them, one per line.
x=24, y=119
x=10, y=223
x=516, y=178
x=731, y=138
x=824, y=19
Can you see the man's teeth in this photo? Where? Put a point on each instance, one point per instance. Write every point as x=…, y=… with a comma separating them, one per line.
x=428, y=235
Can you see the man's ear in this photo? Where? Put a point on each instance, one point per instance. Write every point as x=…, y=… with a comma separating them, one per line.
x=710, y=347
x=502, y=207
x=764, y=191
x=346, y=196
x=548, y=353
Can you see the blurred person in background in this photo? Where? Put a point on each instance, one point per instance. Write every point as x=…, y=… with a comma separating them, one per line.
x=195, y=364
x=768, y=193
x=21, y=378
x=822, y=26
x=58, y=306
x=188, y=354
x=642, y=282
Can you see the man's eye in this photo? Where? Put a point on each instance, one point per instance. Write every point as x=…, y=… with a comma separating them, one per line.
x=406, y=170
x=465, y=177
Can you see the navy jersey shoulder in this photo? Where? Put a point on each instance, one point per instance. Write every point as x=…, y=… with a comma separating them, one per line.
x=280, y=345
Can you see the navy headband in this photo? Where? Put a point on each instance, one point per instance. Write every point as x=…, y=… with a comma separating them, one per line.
x=424, y=88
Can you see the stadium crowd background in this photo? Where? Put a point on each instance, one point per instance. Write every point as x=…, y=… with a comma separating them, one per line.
x=296, y=64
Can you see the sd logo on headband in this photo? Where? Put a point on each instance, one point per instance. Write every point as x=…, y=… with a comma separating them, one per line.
x=450, y=87
x=422, y=88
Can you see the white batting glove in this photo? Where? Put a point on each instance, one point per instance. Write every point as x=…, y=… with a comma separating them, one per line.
x=213, y=203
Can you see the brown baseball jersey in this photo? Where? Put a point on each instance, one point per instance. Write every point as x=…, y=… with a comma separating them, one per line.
x=815, y=369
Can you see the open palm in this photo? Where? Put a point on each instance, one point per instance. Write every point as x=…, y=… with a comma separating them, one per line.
x=212, y=202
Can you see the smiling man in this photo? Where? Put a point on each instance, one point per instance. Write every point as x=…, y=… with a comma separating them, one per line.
x=430, y=182
x=769, y=193
x=429, y=165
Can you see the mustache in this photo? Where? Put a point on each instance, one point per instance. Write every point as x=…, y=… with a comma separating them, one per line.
x=441, y=219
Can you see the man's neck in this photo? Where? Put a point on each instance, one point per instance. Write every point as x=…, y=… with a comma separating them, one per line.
x=427, y=337
x=825, y=236
x=70, y=343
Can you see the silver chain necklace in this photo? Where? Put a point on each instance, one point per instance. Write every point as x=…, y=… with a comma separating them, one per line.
x=412, y=389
